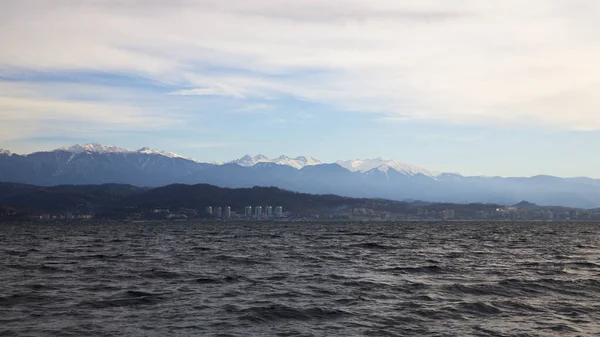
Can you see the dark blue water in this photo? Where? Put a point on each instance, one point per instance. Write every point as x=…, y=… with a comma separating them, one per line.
x=423, y=279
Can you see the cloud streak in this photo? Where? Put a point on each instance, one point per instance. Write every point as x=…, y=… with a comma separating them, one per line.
x=34, y=110
x=505, y=63
x=218, y=90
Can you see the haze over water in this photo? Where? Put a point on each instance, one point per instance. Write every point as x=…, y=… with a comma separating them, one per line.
x=313, y=279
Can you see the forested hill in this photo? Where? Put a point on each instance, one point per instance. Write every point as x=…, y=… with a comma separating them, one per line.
x=110, y=199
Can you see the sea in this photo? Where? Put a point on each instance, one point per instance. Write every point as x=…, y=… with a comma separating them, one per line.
x=300, y=279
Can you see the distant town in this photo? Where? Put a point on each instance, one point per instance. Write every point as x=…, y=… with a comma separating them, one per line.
x=270, y=213
x=211, y=203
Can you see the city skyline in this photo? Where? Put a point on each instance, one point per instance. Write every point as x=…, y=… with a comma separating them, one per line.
x=501, y=88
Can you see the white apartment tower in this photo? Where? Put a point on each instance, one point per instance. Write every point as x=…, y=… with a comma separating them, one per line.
x=258, y=211
x=278, y=211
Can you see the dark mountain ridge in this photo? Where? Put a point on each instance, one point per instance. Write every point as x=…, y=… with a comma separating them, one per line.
x=117, y=201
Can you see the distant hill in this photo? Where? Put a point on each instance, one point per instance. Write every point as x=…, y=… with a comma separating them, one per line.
x=114, y=200
x=526, y=205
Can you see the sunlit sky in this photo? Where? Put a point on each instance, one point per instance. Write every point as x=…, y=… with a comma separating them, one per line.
x=497, y=87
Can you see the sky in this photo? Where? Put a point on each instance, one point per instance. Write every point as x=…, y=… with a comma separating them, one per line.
x=497, y=87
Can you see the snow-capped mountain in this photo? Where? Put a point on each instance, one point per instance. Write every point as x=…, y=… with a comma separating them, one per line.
x=298, y=162
x=383, y=165
x=249, y=160
x=92, y=148
x=147, y=150
x=95, y=164
x=5, y=152
x=101, y=149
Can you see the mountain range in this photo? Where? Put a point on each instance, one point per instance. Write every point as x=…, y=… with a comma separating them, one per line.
x=370, y=178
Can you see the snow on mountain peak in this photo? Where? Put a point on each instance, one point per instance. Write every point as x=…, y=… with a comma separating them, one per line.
x=5, y=152
x=92, y=148
x=147, y=150
x=99, y=148
x=297, y=163
x=383, y=165
x=358, y=165
x=249, y=160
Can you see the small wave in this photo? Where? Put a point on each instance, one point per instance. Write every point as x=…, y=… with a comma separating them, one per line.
x=278, y=312
x=517, y=306
x=277, y=277
x=237, y=278
x=201, y=249
x=161, y=274
x=39, y=287
x=563, y=328
x=581, y=287
x=125, y=299
x=372, y=245
x=11, y=252
x=357, y=234
x=99, y=288
x=587, y=265
x=413, y=270
x=225, y=279
x=479, y=290
x=285, y=294
x=16, y=299
x=479, y=308
x=436, y=314
x=49, y=269
x=341, y=277
x=101, y=256
x=208, y=280
x=242, y=260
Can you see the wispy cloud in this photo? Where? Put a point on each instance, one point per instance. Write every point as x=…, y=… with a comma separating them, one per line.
x=35, y=110
x=218, y=90
x=465, y=62
x=254, y=108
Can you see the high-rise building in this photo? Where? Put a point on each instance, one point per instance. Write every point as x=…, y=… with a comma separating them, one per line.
x=258, y=211
x=278, y=211
x=269, y=211
x=208, y=211
x=449, y=214
x=248, y=212
x=227, y=213
x=218, y=212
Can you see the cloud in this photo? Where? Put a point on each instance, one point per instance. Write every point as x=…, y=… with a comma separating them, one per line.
x=254, y=108
x=35, y=110
x=219, y=90
x=506, y=63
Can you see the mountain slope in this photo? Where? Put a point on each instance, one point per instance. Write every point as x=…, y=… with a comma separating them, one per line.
x=97, y=164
